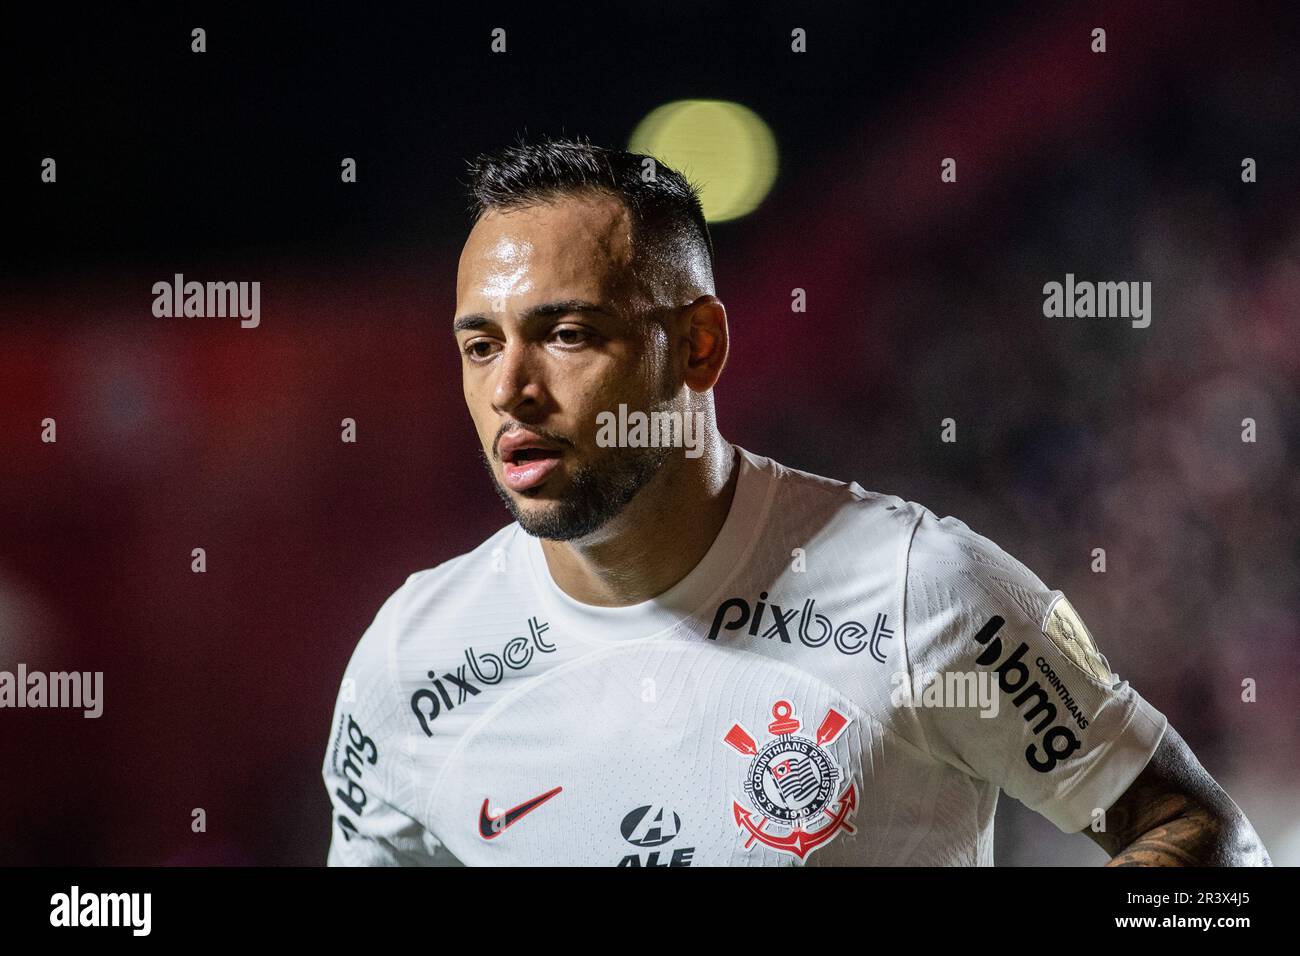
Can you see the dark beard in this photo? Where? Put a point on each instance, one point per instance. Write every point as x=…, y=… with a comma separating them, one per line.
x=596, y=494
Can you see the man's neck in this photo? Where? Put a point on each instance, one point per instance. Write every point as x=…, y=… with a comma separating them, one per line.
x=654, y=542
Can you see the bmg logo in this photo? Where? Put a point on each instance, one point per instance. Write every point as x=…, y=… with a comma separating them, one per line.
x=1059, y=742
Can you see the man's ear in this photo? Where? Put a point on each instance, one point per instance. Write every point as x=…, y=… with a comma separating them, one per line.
x=705, y=342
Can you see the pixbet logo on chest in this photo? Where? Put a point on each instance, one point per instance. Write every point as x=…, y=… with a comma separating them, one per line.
x=812, y=629
x=485, y=668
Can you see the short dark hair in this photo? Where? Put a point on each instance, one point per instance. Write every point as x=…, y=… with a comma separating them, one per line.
x=667, y=219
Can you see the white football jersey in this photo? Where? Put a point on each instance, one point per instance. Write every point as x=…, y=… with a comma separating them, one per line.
x=843, y=679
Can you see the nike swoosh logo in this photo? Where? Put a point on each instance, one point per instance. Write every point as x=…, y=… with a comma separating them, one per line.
x=490, y=826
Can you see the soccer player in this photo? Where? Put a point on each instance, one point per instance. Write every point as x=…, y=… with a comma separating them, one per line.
x=682, y=653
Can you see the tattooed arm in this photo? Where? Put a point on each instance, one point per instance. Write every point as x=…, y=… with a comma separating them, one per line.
x=1175, y=814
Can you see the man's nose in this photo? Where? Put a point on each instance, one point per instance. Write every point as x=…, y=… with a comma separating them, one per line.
x=518, y=385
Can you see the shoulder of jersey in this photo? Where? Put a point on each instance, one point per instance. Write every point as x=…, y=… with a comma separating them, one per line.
x=488, y=573
x=940, y=550
x=847, y=500
x=943, y=550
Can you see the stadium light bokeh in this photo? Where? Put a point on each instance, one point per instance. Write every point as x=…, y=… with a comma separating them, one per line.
x=724, y=148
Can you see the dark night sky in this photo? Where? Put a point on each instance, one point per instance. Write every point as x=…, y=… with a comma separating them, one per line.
x=162, y=150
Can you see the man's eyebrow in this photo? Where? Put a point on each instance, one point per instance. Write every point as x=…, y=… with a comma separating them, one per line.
x=468, y=323
x=547, y=310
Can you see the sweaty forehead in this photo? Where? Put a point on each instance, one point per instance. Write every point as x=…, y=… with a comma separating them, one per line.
x=569, y=247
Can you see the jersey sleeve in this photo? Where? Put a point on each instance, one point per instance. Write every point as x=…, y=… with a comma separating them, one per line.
x=366, y=769
x=1062, y=733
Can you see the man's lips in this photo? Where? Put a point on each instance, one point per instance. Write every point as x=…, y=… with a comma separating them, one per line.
x=527, y=459
x=529, y=474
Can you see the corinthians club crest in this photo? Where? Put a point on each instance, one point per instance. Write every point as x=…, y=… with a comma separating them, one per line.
x=791, y=783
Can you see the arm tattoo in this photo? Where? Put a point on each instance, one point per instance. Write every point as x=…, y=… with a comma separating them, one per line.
x=1190, y=840
x=1175, y=814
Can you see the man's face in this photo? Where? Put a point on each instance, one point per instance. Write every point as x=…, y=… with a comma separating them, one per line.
x=552, y=332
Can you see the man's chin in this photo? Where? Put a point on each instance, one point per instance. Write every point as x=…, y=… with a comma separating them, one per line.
x=547, y=525
x=570, y=506
x=556, y=519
